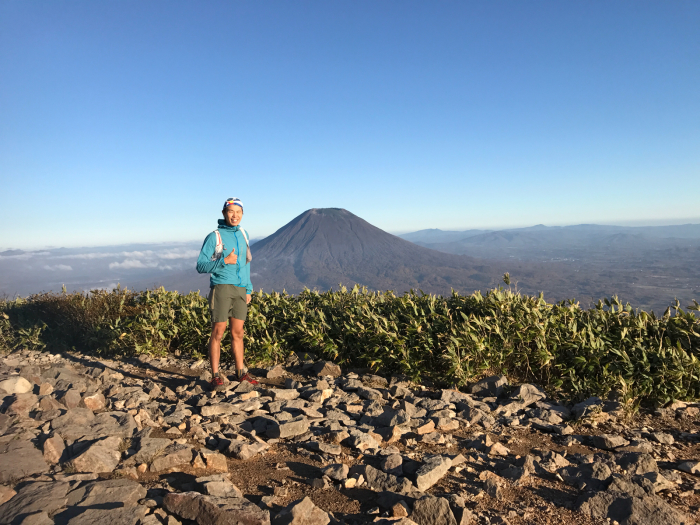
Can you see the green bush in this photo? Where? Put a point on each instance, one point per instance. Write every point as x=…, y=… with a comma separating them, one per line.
x=573, y=352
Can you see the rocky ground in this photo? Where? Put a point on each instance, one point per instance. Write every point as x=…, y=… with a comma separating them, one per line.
x=85, y=440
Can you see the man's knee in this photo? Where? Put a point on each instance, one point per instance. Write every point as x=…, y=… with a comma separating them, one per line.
x=218, y=331
x=237, y=333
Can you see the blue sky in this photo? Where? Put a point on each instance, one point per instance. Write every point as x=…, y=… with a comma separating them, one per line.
x=132, y=121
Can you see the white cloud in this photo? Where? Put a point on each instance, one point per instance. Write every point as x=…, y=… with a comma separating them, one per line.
x=28, y=255
x=58, y=267
x=132, y=263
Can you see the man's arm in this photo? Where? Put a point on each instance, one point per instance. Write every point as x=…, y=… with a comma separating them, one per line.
x=204, y=262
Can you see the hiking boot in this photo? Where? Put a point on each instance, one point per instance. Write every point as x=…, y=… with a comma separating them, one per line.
x=247, y=377
x=216, y=384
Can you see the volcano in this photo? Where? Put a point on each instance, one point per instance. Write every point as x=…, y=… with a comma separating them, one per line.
x=325, y=247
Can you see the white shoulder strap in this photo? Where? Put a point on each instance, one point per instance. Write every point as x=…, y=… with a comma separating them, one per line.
x=245, y=234
x=219, y=242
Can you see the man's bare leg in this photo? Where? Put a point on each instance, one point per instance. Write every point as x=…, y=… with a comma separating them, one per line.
x=217, y=334
x=237, y=342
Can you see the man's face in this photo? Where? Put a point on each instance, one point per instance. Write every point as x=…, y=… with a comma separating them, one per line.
x=233, y=215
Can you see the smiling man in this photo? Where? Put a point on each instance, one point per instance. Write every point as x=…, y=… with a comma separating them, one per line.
x=226, y=256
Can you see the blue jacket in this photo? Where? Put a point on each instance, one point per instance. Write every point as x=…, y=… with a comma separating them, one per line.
x=221, y=273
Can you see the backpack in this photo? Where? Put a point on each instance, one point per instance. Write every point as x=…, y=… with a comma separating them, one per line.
x=219, y=249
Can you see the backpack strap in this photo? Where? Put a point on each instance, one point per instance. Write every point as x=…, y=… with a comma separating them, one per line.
x=219, y=242
x=248, y=255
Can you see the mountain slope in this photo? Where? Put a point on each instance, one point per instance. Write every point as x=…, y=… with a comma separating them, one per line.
x=324, y=247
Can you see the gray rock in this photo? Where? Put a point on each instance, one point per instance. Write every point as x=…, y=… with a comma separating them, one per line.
x=337, y=471
x=527, y=395
x=430, y=510
x=646, y=510
x=392, y=464
x=663, y=438
x=327, y=368
x=22, y=404
x=35, y=497
x=390, y=418
x=292, y=428
x=637, y=463
x=54, y=449
x=369, y=393
x=173, y=456
x=691, y=467
x=584, y=408
x=210, y=510
x=608, y=441
x=432, y=471
x=16, y=385
x=590, y=476
x=381, y=481
x=302, y=512
x=489, y=386
x=101, y=456
x=493, y=489
x=243, y=450
x=326, y=448
x=119, y=492
x=113, y=516
x=19, y=460
x=38, y=518
x=148, y=450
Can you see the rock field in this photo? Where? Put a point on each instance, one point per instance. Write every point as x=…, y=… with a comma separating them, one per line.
x=142, y=441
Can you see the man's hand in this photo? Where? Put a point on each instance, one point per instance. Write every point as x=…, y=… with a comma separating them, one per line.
x=247, y=298
x=231, y=258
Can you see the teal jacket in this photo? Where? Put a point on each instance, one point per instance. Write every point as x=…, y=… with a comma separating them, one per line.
x=221, y=273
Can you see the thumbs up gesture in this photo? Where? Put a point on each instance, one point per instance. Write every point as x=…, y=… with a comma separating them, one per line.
x=231, y=258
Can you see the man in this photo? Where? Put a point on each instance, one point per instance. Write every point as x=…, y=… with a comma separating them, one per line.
x=226, y=257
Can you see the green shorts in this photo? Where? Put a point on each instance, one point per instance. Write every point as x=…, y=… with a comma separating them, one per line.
x=227, y=300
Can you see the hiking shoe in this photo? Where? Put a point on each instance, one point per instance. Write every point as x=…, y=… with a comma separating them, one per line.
x=247, y=377
x=216, y=384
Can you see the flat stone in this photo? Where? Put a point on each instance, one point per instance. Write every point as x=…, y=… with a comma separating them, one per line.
x=173, y=456
x=608, y=441
x=489, y=386
x=390, y=418
x=327, y=368
x=218, y=409
x=244, y=450
x=16, y=385
x=432, y=471
x=102, y=456
x=282, y=394
x=121, y=492
x=113, y=516
x=210, y=510
x=645, y=510
x=292, y=428
x=381, y=481
x=148, y=449
x=326, y=448
x=637, y=463
x=35, y=497
x=430, y=510
x=691, y=467
x=302, y=512
x=22, y=404
x=663, y=438
x=19, y=460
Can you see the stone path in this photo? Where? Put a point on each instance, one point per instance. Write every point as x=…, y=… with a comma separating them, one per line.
x=84, y=440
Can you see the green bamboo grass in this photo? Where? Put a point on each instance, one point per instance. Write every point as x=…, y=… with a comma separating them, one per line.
x=573, y=352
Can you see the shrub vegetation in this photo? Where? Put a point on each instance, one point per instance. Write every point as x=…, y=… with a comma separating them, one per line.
x=571, y=351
